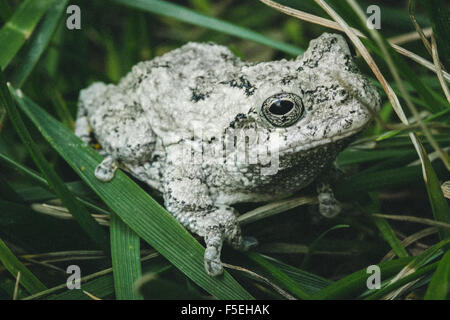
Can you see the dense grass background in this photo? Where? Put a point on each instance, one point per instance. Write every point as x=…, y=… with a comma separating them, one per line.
x=395, y=214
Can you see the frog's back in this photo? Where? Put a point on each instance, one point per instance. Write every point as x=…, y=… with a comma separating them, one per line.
x=174, y=89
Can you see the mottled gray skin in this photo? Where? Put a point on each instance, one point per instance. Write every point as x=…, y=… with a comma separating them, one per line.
x=192, y=95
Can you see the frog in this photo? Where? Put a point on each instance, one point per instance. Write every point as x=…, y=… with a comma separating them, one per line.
x=209, y=130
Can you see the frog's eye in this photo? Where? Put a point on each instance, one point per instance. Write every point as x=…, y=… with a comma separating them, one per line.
x=282, y=109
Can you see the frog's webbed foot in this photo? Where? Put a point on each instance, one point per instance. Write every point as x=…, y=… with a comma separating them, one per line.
x=222, y=226
x=219, y=225
x=106, y=169
x=329, y=207
x=214, y=241
x=248, y=243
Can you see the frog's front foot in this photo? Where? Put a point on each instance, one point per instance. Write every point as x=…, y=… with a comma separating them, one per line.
x=214, y=240
x=249, y=242
x=106, y=169
x=329, y=207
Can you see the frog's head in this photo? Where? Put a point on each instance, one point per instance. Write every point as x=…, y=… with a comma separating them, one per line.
x=318, y=99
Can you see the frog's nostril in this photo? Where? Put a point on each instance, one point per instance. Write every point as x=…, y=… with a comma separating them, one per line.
x=280, y=107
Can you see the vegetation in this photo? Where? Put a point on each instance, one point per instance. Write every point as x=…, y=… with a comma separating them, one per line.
x=54, y=213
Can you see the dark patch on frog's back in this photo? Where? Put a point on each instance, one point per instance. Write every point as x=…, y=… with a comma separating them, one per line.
x=323, y=93
x=287, y=79
x=239, y=117
x=314, y=61
x=197, y=95
x=241, y=82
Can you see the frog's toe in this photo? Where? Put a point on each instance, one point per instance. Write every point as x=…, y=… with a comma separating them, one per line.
x=328, y=206
x=213, y=265
x=106, y=169
x=249, y=242
x=214, y=240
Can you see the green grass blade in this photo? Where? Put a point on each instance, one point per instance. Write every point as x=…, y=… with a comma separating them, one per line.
x=439, y=286
x=425, y=256
x=100, y=284
x=100, y=288
x=373, y=181
x=181, y=13
x=7, y=192
x=434, y=102
x=5, y=10
x=38, y=43
x=27, y=279
x=389, y=235
x=135, y=207
x=359, y=156
x=439, y=12
x=126, y=262
x=62, y=110
x=113, y=63
x=414, y=266
x=403, y=281
x=312, y=283
x=355, y=283
x=79, y=212
x=385, y=228
x=281, y=277
x=439, y=204
x=312, y=247
x=76, y=187
x=19, y=28
x=22, y=170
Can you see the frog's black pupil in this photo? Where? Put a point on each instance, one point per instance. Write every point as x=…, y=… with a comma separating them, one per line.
x=280, y=107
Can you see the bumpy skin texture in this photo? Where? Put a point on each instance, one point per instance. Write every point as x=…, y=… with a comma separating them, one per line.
x=196, y=95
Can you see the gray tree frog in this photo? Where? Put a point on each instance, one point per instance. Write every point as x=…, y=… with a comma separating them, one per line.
x=180, y=122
